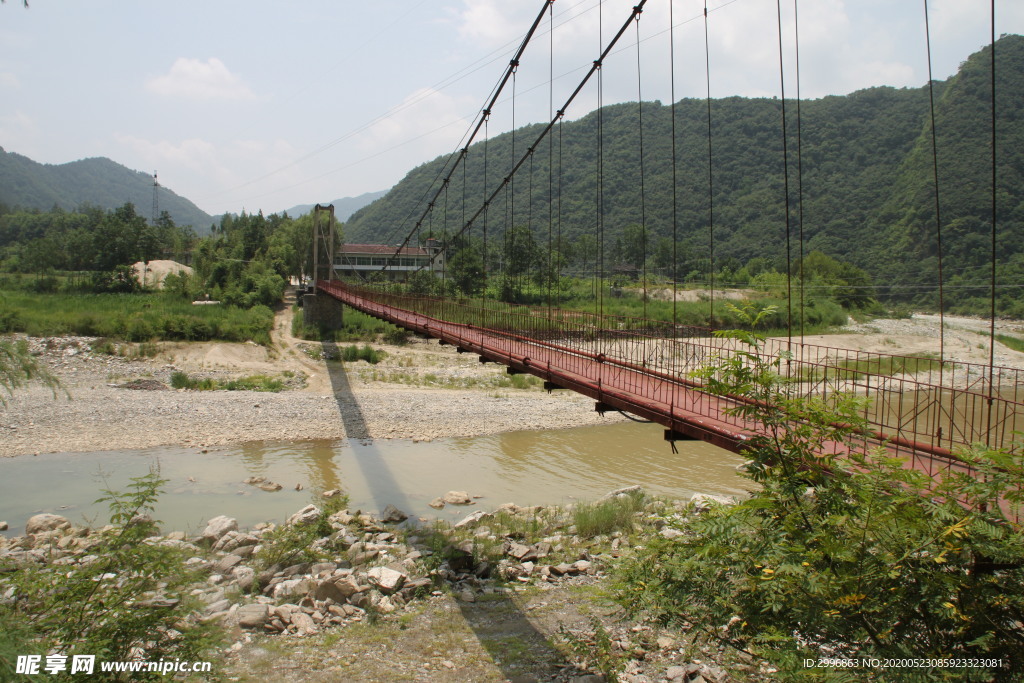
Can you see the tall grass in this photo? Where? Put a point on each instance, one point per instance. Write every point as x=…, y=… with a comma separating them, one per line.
x=607, y=516
x=1014, y=343
x=131, y=317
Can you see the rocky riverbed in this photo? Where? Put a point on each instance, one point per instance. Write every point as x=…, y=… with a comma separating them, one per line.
x=508, y=594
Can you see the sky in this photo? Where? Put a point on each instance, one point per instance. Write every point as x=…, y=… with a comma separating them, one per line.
x=257, y=105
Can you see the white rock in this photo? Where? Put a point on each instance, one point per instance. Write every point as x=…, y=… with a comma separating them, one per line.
x=387, y=579
x=45, y=522
x=625, y=491
x=704, y=501
x=217, y=527
x=306, y=515
x=472, y=518
x=457, y=498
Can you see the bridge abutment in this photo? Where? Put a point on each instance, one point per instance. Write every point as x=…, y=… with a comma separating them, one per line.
x=324, y=312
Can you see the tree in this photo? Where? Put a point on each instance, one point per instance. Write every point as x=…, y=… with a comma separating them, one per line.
x=466, y=271
x=634, y=245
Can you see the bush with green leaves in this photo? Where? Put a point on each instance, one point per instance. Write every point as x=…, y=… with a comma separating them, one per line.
x=853, y=556
x=290, y=544
x=131, y=598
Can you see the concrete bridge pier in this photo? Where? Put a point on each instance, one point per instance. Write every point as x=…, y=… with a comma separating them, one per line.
x=324, y=312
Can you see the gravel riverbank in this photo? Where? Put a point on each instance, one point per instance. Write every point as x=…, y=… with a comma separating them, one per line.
x=110, y=402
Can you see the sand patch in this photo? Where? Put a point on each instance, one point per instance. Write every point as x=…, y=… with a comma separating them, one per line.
x=157, y=271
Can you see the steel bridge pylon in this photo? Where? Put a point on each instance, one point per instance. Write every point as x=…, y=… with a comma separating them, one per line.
x=324, y=312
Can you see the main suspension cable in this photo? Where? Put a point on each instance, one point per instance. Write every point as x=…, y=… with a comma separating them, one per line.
x=643, y=206
x=799, y=167
x=557, y=118
x=935, y=180
x=785, y=181
x=510, y=70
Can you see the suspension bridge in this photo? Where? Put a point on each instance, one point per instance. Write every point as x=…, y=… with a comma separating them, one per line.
x=923, y=409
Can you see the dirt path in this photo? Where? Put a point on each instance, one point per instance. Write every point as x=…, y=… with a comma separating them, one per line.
x=282, y=339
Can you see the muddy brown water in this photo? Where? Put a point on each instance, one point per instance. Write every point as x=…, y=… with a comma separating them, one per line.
x=526, y=468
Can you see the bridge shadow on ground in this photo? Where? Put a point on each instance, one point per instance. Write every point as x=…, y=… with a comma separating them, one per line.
x=521, y=651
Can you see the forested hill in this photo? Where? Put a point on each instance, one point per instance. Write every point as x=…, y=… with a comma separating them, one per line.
x=27, y=184
x=866, y=183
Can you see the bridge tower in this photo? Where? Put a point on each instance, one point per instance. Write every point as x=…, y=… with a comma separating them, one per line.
x=323, y=242
x=323, y=311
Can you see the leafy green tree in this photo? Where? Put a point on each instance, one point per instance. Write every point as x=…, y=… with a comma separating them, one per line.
x=634, y=245
x=466, y=271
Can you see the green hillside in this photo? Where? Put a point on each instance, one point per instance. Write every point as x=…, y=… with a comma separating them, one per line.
x=99, y=182
x=866, y=182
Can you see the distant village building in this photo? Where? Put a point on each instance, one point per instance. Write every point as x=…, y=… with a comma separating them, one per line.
x=358, y=261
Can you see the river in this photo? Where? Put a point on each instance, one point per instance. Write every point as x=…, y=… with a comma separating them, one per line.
x=524, y=467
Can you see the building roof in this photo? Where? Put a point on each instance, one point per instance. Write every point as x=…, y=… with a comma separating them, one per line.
x=385, y=249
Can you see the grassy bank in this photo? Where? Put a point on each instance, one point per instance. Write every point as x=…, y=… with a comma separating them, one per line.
x=131, y=317
x=356, y=326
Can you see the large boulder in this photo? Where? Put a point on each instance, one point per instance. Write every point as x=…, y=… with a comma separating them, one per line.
x=217, y=528
x=253, y=615
x=457, y=498
x=339, y=590
x=306, y=515
x=393, y=515
x=46, y=522
x=388, y=580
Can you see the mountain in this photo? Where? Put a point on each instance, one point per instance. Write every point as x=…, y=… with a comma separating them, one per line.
x=343, y=208
x=861, y=189
x=98, y=182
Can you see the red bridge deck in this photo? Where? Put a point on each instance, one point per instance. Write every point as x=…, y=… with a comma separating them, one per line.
x=643, y=368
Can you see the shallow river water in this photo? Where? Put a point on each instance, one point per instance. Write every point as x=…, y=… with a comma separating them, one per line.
x=526, y=468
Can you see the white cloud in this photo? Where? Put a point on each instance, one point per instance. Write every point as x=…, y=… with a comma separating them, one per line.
x=18, y=128
x=196, y=79
x=207, y=172
x=9, y=80
x=427, y=119
x=491, y=22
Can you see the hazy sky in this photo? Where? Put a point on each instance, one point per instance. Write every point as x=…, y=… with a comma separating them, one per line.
x=264, y=105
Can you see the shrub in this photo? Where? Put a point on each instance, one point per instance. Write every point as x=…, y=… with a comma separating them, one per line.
x=181, y=380
x=397, y=335
x=254, y=383
x=294, y=543
x=843, y=557
x=133, y=597
x=351, y=354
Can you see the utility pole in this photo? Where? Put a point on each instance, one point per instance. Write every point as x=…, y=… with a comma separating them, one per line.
x=156, y=200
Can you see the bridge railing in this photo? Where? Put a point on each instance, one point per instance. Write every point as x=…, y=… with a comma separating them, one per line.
x=926, y=405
